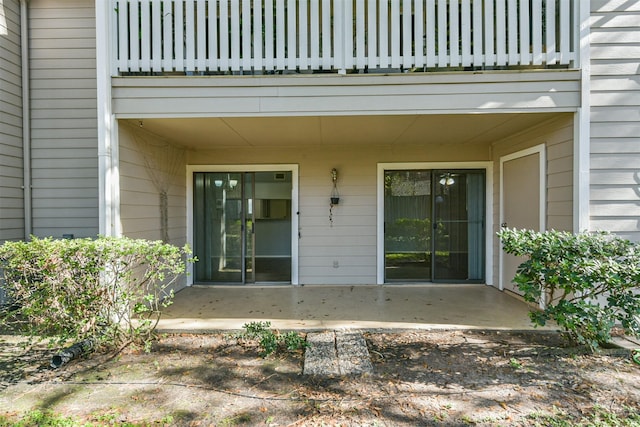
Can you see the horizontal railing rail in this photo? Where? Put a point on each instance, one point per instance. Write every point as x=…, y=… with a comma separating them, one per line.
x=271, y=36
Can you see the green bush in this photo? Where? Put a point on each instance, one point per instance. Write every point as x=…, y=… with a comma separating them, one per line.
x=270, y=341
x=108, y=290
x=588, y=283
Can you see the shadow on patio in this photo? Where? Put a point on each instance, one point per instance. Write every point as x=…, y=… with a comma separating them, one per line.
x=212, y=308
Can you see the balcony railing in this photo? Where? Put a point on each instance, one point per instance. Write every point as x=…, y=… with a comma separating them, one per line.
x=306, y=36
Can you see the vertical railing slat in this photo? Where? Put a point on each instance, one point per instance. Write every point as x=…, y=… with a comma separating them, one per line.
x=550, y=39
x=454, y=33
x=442, y=28
x=512, y=31
x=145, y=34
x=247, y=38
x=501, y=33
x=565, y=31
x=235, y=35
x=212, y=22
x=489, y=44
x=431, y=32
x=360, y=33
x=303, y=23
x=326, y=34
x=167, y=36
x=478, y=32
x=525, y=56
x=190, y=33
x=419, y=37
x=292, y=35
x=314, y=34
x=178, y=10
x=201, y=19
x=269, y=34
x=465, y=32
x=372, y=35
x=407, y=37
x=280, y=35
x=536, y=32
x=123, y=36
x=224, y=35
x=395, y=33
x=383, y=34
x=258, y=31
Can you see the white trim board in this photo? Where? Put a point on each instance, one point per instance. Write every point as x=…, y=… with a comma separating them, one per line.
x=487, y=166
x=293, y=168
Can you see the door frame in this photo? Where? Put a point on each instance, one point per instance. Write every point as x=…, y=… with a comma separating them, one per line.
x=488, y=168
x=293, y=168
x=539, y=149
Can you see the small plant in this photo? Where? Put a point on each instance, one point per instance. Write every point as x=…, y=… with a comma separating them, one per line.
x=270, y=341
x=586, y=283
x=110, y=291
x=515, y=363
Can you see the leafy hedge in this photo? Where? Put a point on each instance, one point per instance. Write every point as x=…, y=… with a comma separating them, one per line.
x=588, y=283
x=108, y=290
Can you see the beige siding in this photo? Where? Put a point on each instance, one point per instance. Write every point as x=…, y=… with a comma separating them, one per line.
x=336, y=95
x=615, y=117
x=557, y=135
x=63, y=125
x=11, y=161
x=351, y=240
x=140, y=198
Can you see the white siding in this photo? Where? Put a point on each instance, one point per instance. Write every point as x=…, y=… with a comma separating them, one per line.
x=11, y=177
x=140, y=199
x=615, y=117
x=63, y=125
x=550, y=91
x=557, y=135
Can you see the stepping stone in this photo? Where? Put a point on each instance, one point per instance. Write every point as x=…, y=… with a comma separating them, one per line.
x=336, y=353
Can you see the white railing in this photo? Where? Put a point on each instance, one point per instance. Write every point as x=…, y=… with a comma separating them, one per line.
x=262, y=36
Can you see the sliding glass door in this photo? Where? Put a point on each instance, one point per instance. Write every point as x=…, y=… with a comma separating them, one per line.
x=434, y=225
x=242, y=226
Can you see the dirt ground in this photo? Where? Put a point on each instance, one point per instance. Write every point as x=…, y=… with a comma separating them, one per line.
x=420, y=378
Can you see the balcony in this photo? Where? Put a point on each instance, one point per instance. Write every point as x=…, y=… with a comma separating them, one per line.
x=237, y=37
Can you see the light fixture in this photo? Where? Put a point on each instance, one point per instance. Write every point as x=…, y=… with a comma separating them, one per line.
x=447, y=180
x=218, y=183
x=233, y=183
x=335, y=196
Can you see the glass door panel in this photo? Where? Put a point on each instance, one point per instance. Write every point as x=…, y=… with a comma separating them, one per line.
x=218, y=227
x=434, y=225
x=407, y=212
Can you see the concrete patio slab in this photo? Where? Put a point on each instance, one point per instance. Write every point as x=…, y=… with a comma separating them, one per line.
x=324, y=307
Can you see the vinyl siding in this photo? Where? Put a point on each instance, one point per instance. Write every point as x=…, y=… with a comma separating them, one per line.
x=426, y=93
x=11, y=158
x=140, y=199
x=351, y=239
x=557, y=135
x=63, y=112
x=615, y=117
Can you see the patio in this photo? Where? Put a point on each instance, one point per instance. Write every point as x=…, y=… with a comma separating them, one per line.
x=429, y=306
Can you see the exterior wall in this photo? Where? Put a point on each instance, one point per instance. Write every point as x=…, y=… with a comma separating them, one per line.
x=424, y=93
x=11, y=156
x=352, y=239
x=63, y=117
x=140, y=199
x=557, y=135
x=615, y=117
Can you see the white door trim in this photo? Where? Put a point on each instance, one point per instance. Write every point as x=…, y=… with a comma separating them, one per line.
x=293, y=168
x=538, y=149
x=487, y=166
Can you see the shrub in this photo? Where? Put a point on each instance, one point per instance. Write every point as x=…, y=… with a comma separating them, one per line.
x=108, y=290
x=270, y=341
x=589, y=281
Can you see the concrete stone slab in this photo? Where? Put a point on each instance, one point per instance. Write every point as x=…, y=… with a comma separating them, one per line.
x=320, y=357
x=353, y=354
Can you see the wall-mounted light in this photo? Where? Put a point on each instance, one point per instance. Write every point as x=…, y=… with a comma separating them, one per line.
x=335, y=196
x=218, y=183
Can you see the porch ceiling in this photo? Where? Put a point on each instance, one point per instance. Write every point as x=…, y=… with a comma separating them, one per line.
x=237, y=132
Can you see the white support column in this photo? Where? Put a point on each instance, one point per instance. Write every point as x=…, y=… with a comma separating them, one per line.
x=107, y=166
x=582, y=135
